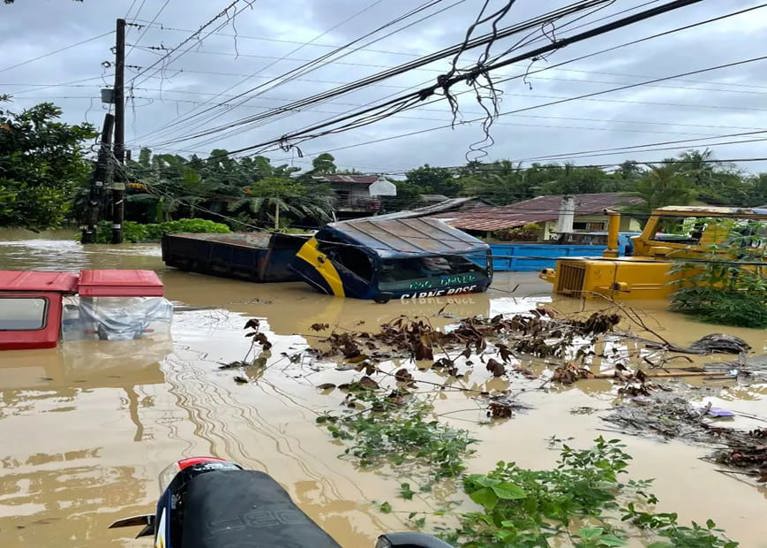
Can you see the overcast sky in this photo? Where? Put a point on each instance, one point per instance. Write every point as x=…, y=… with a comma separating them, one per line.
x=278, y=35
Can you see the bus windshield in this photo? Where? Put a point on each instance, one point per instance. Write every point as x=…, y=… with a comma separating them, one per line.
x=433, y=272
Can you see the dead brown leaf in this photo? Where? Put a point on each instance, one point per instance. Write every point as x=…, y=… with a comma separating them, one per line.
x=495, y=367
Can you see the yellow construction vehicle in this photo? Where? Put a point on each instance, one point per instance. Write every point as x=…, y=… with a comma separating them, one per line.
x=672, y=234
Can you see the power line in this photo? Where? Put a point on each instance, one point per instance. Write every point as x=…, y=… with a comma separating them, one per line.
x=138, y=11
x=413, y=99
x=202, y=51
x=141, y=36
x=632, y=42
x=540, y=38
x=164, y=27
x=180, y=119
x=525, y=109
x=316, y=63
x=195, y=35
x=69, y=84
x=370, y=65
x=724, y=143
x=489, y=168
x=182, y=71
x=57, y=51
x=130, y=8
x=411, y=134
x=423, y=61
x=579, y=153
x=153, y=101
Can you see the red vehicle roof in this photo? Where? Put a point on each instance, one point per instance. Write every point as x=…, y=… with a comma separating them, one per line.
x=120, y=283
x=33, y=280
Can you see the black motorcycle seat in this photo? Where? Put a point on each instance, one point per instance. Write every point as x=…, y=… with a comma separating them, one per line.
x=245, y=509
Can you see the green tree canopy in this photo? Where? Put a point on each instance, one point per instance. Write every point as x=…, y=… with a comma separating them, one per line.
x=42, y=164
x=665, y=185
x=434, y=180
x=324, y=164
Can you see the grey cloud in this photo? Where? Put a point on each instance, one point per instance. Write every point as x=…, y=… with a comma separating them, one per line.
x=32, y=27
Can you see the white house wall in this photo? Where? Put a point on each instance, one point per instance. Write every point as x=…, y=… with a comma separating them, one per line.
x=382, y=188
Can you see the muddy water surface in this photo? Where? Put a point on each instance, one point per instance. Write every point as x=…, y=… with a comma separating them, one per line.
x=86, y=428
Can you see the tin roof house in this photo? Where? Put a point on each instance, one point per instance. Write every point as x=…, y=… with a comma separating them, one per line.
x=554, y=214
x=357, y=195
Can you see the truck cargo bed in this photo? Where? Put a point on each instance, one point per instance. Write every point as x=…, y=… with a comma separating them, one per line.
x=252, y=256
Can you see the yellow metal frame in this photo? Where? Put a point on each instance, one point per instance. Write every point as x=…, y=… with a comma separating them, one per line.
x=311, y=253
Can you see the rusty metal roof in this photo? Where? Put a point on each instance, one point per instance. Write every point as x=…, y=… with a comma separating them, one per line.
x=406, y=237
x=536, y=210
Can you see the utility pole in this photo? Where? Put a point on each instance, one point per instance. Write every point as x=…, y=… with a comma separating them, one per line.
x=118, y=186
x=101, y=178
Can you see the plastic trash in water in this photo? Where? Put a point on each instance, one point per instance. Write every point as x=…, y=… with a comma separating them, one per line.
x=719, y=412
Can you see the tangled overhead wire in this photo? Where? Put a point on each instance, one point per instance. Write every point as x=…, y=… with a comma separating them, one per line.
x=410, y=100
x=398, y=104
x=475, y=81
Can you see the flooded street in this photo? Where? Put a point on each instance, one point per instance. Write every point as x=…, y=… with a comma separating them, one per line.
x=88, y=426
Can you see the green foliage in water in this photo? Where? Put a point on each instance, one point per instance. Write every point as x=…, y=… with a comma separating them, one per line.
x=727, y=307
x=729, y=286
x=582, y=498
x=138, y=233
x=401, y=433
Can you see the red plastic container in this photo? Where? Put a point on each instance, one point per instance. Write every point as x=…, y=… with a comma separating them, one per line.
x=119, y=283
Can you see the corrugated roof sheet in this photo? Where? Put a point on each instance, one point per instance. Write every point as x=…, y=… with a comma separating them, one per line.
x=536, y=210
x=393, y=237
x=357, y=179
x=431, y=210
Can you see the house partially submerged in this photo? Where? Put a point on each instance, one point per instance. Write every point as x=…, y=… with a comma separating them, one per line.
x=550, y=215
x=357, y=195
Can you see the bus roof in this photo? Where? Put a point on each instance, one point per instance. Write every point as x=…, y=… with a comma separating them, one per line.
x=390, y=238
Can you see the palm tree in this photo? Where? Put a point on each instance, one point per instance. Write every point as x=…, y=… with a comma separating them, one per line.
x=275, y=199
x=664, y=185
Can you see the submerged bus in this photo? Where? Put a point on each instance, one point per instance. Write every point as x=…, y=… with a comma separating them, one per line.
x=388, y=258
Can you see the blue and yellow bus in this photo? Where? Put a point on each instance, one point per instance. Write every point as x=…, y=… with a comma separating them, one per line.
x=389, y=258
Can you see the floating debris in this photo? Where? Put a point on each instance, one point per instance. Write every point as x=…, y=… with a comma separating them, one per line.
x=534, y=334
x=570, y=373
x=720, y=343
x=672, y=417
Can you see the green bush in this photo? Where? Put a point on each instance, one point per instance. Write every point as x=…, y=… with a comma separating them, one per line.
x=729, y=285
x=728, y=307
x=583, y=499
x=138, y=233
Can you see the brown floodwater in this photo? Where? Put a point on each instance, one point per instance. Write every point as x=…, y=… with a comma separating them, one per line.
x=86, y=428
